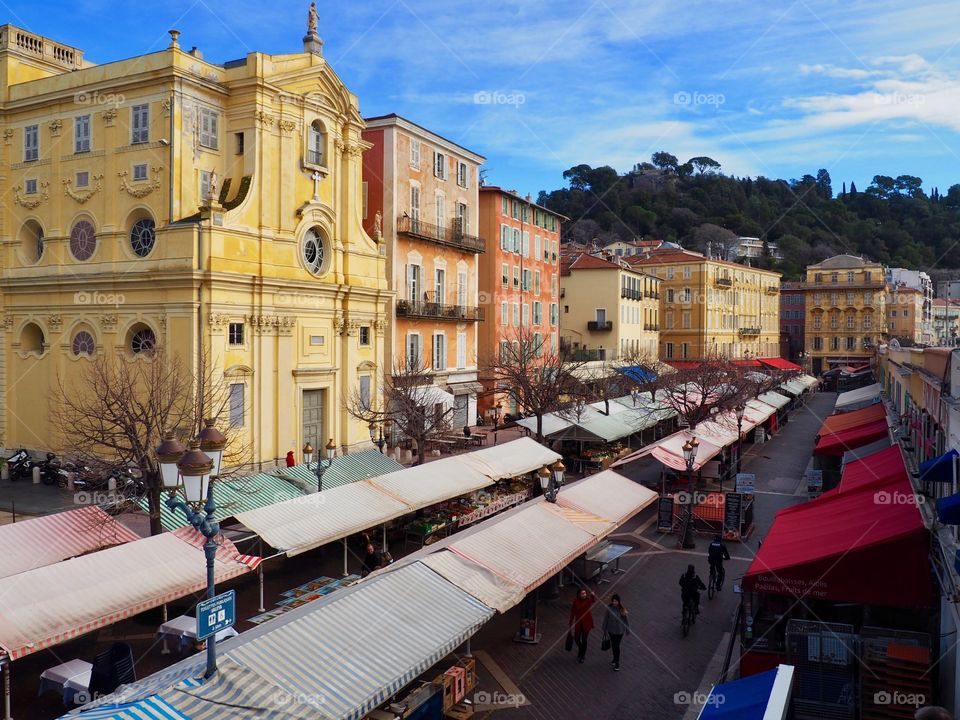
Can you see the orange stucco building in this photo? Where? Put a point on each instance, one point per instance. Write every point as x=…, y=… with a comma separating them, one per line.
x=421, y=201
x=519, y=278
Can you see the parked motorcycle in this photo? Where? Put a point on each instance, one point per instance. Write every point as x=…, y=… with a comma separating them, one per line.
x=20, y=464
x=49, y=469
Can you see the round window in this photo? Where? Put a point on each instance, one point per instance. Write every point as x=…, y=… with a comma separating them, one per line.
x=313, y=251
x=143, y=341
x=83, y=240
x=143, y=235
x=83, y=343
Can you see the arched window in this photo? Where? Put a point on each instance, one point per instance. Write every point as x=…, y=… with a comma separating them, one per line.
x=83, y=240
x=314, y=250
x=142, y=339
x=143, y=236
x=83, y=344
x=31, y=237
x=31, y=338
x=317, y=142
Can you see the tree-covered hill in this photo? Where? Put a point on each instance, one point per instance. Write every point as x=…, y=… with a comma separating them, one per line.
x=892, y=221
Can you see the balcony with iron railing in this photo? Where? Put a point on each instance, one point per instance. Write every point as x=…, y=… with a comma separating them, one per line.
x=428, y=308
x=723, y=282
x=749, y=331
x=630, y=294
x=452, y=236
x=773, y=290
x=596, y=326
x=653, y=327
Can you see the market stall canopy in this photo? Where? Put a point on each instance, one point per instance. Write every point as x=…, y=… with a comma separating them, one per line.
x=511, y=459
x=851, y=438
x=780, y=364
x=863, y=451
x=52, y=604
x=874, y=471
x=41, y=541
x=758, y=411
x=669, y=451
x=607, y=495
x=552, y=423
x=861, y=397
x=489, y=588
x=232, y=496
x=774, y=399
x=638, y=373
x=764, y=696
x=842, y=421
x=430, y=395
x=608, y=428
x=939, y=469
x=433, y=482
x=343, y=470
x=794, y=387
x=808, y=381
x=721, y=430
x=747, y=363
x=849, y=548
x=295, y=526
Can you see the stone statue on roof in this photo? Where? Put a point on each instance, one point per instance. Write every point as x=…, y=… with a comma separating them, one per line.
x=312, y=19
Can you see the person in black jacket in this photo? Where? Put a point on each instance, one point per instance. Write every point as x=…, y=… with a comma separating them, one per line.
x=371, y=561
x=716, y=554
x=690, y=587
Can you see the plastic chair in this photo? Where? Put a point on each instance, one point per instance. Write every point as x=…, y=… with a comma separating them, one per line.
x=111, y=669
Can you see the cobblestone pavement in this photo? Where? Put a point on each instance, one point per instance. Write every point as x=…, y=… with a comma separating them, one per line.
x=659, y=666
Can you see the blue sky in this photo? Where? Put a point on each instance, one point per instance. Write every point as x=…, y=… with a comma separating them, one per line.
x=775, y=89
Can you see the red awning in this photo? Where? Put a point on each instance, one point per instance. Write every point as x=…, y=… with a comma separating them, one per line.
x=684, y=364
x=860, y=547
x=780, y=364
x=851, y=438
x=871, y=472
x=854, y=418
x=747, y=363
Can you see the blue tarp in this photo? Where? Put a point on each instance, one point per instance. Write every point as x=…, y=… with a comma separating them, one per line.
x=637, y=373
x=948, y=510
x=744, y=699
x=939, y=469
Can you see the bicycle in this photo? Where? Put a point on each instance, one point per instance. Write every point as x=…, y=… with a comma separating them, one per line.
x=716, y=581
x=689, y=615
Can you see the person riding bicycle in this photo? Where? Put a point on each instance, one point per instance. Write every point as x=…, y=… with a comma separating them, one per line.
x=690, y=587
x=716, y=554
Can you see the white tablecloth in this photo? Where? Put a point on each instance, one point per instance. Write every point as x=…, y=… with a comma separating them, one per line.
x=74, y=675
x=184, y=628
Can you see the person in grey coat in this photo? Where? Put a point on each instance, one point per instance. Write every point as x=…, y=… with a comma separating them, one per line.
x=616, y=624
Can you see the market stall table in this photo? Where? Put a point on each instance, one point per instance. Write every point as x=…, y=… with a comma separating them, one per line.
x=603, y=555
x=184, y=629
x=68, y=678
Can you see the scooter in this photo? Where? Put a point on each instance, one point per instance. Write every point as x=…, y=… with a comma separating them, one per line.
x=49, y=469
x=19, y=464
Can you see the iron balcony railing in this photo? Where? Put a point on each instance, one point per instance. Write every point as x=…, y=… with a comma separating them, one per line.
x=749, y=331
x=452, y=236
x=594, y=326
x=724, y=282
x=439, y=311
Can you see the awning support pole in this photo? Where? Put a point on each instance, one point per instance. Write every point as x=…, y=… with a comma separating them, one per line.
x=385, y=548
x=468, y=648
x=345, y=557
x=261, y=608
x=6, y=690
x=164, y=650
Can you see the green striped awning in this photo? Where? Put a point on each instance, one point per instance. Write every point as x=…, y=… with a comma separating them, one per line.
x=344, y=470
x=235, y=495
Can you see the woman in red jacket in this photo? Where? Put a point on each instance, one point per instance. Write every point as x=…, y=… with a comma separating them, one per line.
x=581, y=621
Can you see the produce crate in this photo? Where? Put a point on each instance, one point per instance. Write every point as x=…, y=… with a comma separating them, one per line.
x=446, y=683
x=460, y=711
x=470, y=668
x=459, y=676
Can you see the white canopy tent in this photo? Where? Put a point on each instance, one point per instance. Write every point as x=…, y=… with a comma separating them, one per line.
x=774, y=399
x=859, y=398
x=511, y=459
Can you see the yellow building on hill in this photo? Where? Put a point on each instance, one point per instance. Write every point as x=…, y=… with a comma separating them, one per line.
x=169, y=200
x=713, y=307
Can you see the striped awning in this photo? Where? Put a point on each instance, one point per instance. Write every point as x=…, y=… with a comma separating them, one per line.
x=41, y=541
x=49, y=605
x=487, y=587
x=608, y=495
x=432, y=482
x=149, y=706
x=295, y=526
x=344, y=470
x=774, y=399
x=794, y=387
x=232, y=496
x=354, y=652
x=808, y=381
x=527, y=547
x=511, y=459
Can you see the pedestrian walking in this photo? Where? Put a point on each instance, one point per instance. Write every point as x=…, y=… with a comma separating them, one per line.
x=371, y=561
x=616, y=624
x=291, y=460
x=581, y=621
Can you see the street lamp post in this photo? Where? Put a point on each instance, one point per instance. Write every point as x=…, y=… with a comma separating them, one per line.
x=497, y=409
x=193, y=472
x=376, y=439
x=322, y=466
x=689, y=455
x=741, y=409
x=551, y=480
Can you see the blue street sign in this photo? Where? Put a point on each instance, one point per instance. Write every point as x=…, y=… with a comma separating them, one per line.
x=216, y=614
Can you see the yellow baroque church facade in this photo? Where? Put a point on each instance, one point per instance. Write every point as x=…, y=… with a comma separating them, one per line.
x=212, y=210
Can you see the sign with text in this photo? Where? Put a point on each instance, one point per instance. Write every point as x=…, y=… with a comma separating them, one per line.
x=814, y=479
x=665, y=514
x=216, y=614
x=746, y=483
x=732, y=515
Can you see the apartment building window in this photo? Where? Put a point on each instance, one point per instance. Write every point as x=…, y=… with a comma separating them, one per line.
x=462, y=290
x=818, y=343
x=235, y=333
x=440, y=165
x=868, y=321
x=204, y=184
x=668, y=350
x=438, y=201
x=516, y=277
x=553, y=253
x=537, y=313
x=536, y=283
x=505, y=238
x=504, y=275
x=526, y=243
x=893, y=324
x=515, y=210
x=669, y=273
x=817, y=299
x=82, y=179
x=365, y=391
x=504, y=314
x=536, y=246
x=816, y=322
x=140, y=171
x=686, y=272
x=685, y=319
x=850, y=279
x=139, y=124
x=867, y=276
x=461, y=350
x=668, y=320
x=236, y=403
x=849, y=298
x=439, y=351
x=868, y=298
x=504, y=351
x=439, y=285
x=834, y=343
x=413, y=283
x=525, y=317
x=834, y=322
x=364, y=335
x=834, y=299
x=538, y=344
x=834, y=278
x=209, y=128
x=81, y=134
x=31, y=143
x=818, y=277
x=504, y=205
x=240, y=143
x=414, y=355
x=516, y=314
x=30, y=186
x=684, y=350
x=851, y=343
x=686, y=295
x=462, y=174
x=516, y=241
x=553, y=284
x=669, y=296
x=554, y=313
x=851, y=321
x=414, y=153
x=415, y=202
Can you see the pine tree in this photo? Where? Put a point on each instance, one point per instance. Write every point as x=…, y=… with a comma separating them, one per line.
x=853, y=188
